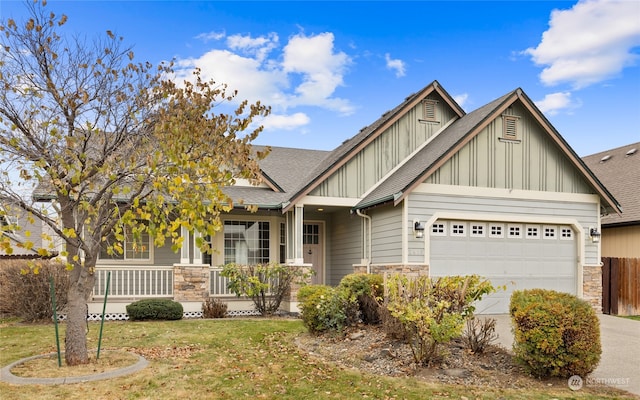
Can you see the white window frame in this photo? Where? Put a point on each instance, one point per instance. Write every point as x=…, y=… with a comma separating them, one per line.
x=455, y=225
x=496, y=235
x=553, y=229
x=442, y=225
x=475, y=226
x=563, y=230
x=530, y=227
x=248, y=241
x=122, y=258
x=519, y=230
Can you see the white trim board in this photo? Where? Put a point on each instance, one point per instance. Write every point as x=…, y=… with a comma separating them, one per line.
x=474, y=191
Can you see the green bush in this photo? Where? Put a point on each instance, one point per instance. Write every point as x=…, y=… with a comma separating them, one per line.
x=266, y=284
x=432, y=312
x=556, y=334
x=367, y=291
x=325, y=308
x=159, y=309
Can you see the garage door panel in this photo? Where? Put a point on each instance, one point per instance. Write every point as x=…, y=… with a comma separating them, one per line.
x=515, y=262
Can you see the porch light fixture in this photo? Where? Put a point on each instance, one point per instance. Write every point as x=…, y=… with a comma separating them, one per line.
x=418, y=229
x=595, y=235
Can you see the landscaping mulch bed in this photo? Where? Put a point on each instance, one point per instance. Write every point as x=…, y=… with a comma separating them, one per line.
x=368, y=349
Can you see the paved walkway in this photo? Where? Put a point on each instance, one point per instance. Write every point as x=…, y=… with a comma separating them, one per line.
x=620, y=362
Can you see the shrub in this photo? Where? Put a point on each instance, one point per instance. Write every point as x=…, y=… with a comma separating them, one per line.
x=366, y=290
x=25, y=288
x=265, y=284
x=556, y=334
x=325, y=308
x=432, y=312
x=158, y=309
x=213, y=307
x=479, y=334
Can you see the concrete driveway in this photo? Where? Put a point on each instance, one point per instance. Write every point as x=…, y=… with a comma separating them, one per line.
x=620, y=362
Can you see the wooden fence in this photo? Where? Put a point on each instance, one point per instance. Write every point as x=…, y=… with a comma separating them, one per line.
x=621, y=286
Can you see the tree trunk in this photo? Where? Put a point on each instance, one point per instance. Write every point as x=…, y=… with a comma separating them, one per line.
x=76, y=336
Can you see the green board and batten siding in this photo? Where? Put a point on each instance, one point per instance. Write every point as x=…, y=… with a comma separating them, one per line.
x=534, y=162
x=384, y=153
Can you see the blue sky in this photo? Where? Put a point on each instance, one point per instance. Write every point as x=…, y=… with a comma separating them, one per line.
x=330, y=68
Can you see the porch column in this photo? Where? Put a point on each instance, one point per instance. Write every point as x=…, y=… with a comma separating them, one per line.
x=197, y=254
x=184, y=251
x=298, y=229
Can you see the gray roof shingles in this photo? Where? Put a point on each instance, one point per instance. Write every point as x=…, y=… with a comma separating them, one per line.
x=620, y=173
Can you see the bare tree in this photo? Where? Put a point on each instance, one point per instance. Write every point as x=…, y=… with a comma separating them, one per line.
x=116, y=147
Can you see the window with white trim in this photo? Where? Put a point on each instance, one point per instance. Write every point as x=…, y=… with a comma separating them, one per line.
x=477, y=229
x=439, y=229
x=533, y=232
x=566, y=233
x=246, y=242
x=134, y=247
x=496, y=231
x=515, y=231
x=458, y=229
x=549, y=232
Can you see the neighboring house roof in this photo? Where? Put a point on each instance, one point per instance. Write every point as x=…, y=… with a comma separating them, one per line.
x=619, y=170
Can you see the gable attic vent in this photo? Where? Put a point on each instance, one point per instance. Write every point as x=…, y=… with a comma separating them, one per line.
x=605, y=158
x=429, y=110
x=510, y=127
x=631, y=152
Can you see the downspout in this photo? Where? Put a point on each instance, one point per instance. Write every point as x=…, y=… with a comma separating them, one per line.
x=367, y=239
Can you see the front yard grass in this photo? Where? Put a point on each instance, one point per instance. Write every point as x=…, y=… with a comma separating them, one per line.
x=229, y=359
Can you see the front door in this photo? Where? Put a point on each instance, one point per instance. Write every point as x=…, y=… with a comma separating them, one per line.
x=312, y=248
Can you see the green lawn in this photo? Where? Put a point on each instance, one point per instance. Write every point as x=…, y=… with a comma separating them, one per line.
x=228, y=359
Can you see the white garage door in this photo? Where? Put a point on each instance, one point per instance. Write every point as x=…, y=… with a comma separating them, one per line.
x=520, y=256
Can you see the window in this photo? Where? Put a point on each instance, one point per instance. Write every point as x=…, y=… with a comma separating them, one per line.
x=496, y=231
x=477, y=230
x=510, y=127
x=549, y=232
x=135, y=248
x=515, y=231
x=246, y=242
x=566, y=234
x=429, y=110
x=438, y=229
x=311, y=234
x=533, y=232
x=457, y=229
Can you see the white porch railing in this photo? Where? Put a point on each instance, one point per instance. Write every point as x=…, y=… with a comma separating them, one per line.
x=134, y=281
x=218, y=283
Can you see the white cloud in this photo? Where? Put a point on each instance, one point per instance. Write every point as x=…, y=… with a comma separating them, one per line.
x=591, y=42
x=321, y=71
x=207, y=36
x=306, y=72
x=555, y=102
x=285, y=122
x=259, y=47
x=461, y=99
x=396, y=65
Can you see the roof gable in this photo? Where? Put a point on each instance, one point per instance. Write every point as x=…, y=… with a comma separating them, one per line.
x=349, y=149
x=454, y=138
